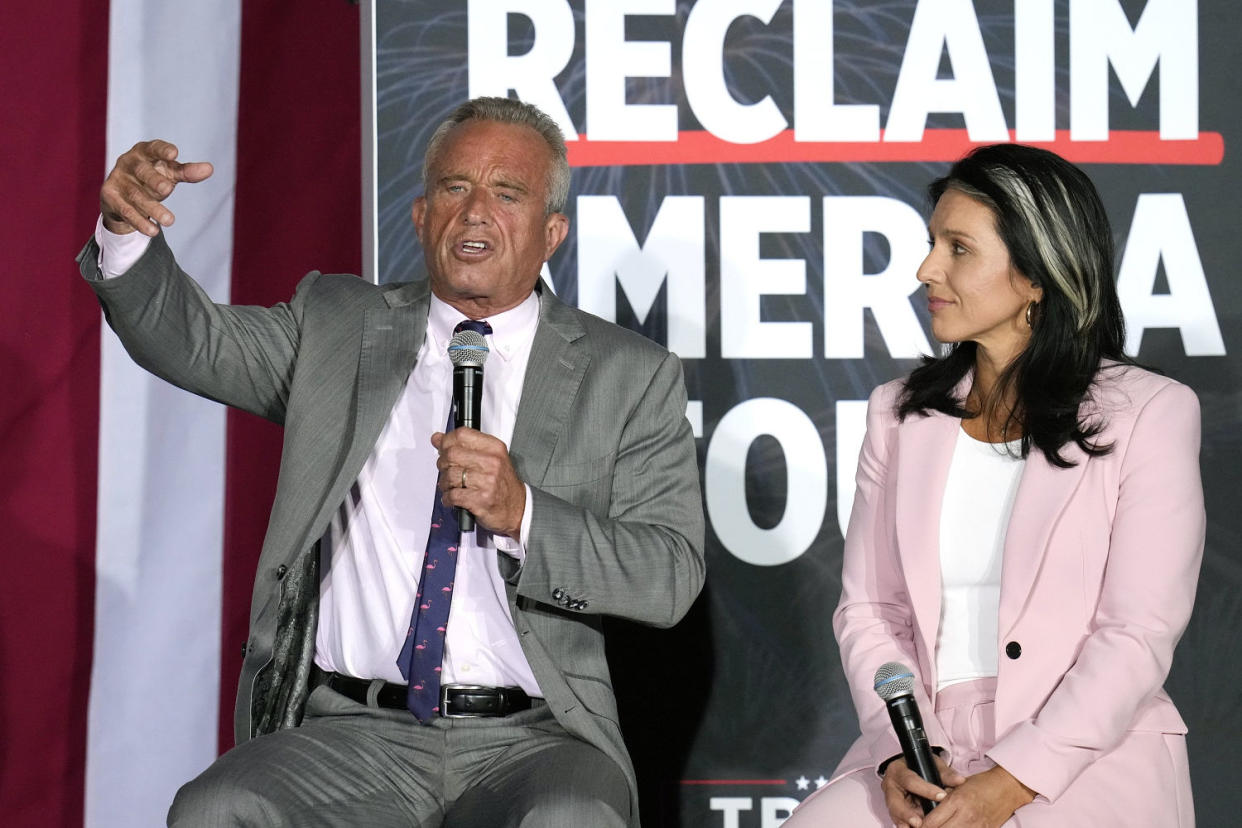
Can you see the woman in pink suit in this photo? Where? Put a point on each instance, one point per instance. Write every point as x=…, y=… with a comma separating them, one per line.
x=1026, y=534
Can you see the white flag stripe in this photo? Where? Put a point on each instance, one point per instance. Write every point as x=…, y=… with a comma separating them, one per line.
x=153, y=715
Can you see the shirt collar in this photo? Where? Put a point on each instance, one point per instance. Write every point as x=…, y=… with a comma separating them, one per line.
x=511, y=329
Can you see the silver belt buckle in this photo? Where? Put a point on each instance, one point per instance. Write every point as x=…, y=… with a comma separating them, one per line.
x=444, y=691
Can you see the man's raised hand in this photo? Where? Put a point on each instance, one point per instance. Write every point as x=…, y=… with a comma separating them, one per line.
x=142, y=178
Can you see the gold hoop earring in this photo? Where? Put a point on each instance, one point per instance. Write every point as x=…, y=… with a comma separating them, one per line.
x=1030, y=314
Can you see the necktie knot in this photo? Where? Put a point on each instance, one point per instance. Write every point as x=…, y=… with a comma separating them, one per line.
x=479, y=326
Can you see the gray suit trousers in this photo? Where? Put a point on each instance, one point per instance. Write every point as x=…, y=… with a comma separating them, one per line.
x=353, y=765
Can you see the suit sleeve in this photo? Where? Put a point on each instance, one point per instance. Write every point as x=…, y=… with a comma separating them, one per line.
x=643, y=560
x=874, y=621
x=1144, y=605
x=238, y=355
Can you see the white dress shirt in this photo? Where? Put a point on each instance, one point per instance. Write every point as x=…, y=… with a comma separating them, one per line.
x=372, y=554
x=974, y=516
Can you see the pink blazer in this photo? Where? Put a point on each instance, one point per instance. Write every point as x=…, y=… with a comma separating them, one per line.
x=1101, y=562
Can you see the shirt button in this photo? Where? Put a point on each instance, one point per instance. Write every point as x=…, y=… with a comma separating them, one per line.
x=1013, y=649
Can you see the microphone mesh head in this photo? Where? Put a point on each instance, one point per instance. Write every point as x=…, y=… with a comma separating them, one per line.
x=894, y=679
x=468, y=349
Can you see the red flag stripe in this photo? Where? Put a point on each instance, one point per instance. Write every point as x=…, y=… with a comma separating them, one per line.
x=298, y=208
x=49, y=360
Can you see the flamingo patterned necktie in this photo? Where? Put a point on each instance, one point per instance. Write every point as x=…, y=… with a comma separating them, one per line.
x=423, y=652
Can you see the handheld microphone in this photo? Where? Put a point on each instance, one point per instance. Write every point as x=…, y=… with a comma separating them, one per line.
x=894, y=683
x=468, y=351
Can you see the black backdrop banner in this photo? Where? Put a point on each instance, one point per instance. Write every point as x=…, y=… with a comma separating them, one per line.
x=748, y=190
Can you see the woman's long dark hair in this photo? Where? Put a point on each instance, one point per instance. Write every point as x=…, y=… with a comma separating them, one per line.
x=1051, y=219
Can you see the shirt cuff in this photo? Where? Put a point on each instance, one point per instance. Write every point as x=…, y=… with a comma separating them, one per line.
x=118, y=251
x=516, y=548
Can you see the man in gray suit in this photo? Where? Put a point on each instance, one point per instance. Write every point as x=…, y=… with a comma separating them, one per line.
x=583, y=480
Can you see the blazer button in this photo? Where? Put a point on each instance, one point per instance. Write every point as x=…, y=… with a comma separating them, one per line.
x=582, y=604
x=1013, y=649
x=280, y=571
x=558, y=593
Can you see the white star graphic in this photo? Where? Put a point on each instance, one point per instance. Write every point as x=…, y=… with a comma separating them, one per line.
x=803, y=783
x=820, y=782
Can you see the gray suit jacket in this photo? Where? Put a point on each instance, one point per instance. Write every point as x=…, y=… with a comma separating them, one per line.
x=601, y=437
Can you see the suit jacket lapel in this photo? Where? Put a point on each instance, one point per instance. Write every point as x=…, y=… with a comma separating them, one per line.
x=553, y=376
x=1043, y=493
x=925, y=452
x=391, y=338
x=388, y=347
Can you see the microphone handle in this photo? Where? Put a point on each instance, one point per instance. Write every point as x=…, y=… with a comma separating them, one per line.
x=904, y=712
x=468, y=396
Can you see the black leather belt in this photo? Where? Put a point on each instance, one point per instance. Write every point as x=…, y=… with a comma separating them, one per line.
x=456, y=700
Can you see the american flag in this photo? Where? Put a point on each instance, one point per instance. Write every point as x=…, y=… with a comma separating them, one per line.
x=122, y=614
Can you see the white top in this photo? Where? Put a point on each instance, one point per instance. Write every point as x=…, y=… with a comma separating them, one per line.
x=372, y=553
x=978, y=499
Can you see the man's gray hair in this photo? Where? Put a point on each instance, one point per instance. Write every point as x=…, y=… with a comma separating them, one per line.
x=508, y=111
